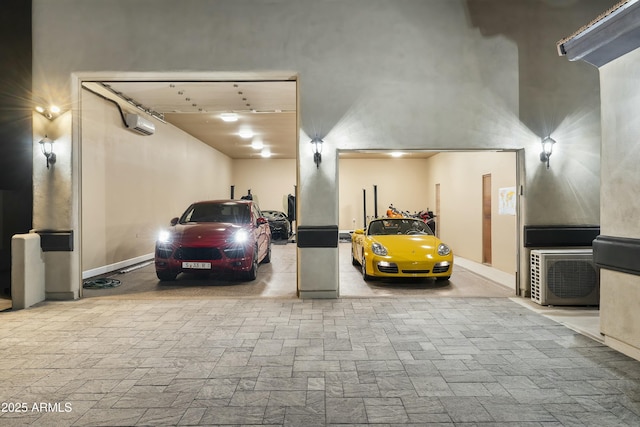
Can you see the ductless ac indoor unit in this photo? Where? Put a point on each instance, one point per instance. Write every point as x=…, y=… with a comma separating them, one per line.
x=139, y=124
x=564, y=277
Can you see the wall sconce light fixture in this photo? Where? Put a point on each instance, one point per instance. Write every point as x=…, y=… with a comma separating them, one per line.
x=547, y=149
x=317, y=150
x=46, y=145
x=50, y=112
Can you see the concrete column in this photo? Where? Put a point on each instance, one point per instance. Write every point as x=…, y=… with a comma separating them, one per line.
x=27, y=271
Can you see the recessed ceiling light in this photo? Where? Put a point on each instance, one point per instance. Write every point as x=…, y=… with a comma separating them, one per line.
x=245, y=133
x=396, y=154
x=257, y=144
x=229, y=117
x=266, y=153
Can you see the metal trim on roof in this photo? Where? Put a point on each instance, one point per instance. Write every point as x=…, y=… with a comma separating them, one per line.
x=609, y=36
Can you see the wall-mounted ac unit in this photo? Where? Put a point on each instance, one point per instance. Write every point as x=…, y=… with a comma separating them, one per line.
x=139, y=124
x=564, y=277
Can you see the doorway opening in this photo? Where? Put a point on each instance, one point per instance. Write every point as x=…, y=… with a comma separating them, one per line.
x=439, y=181
x=132, y=183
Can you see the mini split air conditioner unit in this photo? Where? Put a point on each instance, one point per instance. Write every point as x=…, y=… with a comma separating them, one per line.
x=564, y=277
x=139, y=124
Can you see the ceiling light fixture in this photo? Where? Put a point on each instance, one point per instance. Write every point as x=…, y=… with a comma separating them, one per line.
x=257, y=144
x=265, y=153
x=396, y=154
x=229, y=117
x=246, y=133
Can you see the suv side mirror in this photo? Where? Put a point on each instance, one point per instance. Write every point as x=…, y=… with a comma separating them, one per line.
x=173, y=221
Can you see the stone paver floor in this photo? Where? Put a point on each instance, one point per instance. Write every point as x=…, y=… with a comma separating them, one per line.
x=285, y=361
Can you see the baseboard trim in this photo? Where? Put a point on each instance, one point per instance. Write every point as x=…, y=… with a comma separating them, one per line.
x=116, y=266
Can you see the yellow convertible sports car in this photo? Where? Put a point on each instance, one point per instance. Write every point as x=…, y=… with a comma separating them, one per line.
x=400, y=247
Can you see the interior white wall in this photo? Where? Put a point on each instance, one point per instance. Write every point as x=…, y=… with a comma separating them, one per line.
x=270, y=181
x=132, y=184
x=460, y=220
x=620, y=192
x=401, y=182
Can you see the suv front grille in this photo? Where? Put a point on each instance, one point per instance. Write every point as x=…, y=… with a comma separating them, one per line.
x=198, y=254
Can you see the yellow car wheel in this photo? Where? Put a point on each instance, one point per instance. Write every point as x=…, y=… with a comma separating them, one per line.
x=365, y=275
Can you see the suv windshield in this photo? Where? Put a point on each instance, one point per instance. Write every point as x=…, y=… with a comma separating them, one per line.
x=236, y=213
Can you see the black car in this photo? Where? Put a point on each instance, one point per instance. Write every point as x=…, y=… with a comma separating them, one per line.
x=279, y=224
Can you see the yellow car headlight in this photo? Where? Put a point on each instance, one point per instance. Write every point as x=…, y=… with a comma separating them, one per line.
x=378, y=249
x=443, y=249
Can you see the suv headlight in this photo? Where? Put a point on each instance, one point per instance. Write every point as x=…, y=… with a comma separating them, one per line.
x=240, y=237
x=443, y=249
x=378, y=249
x=165, y=236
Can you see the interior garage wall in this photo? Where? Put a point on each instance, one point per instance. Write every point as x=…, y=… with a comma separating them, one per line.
x=401, y=182
x=133, y=184
x=460, y=220
x=270, y=181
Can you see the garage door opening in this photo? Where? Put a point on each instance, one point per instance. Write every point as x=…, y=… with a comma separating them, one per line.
x=449, y=186
x=137, y=176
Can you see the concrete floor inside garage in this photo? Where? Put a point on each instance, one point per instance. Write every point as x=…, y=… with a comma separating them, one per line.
x=278, y=280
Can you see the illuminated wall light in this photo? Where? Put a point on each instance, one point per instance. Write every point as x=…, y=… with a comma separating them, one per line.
x=547, y=149
x=46, y=145
x=50, y=113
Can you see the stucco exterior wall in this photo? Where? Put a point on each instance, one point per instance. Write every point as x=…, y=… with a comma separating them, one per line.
x=620, y=188
x=372, y=74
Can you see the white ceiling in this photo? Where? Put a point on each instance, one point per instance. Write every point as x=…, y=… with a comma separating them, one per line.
x=267, y=108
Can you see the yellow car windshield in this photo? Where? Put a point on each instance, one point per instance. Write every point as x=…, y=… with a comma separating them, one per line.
x=398, y=226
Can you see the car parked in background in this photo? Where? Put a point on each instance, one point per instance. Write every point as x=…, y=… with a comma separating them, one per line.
x=279, y=224
x=216, y=236
x=400, y=247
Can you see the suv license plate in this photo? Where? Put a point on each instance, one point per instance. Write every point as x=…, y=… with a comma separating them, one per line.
x=197, y=265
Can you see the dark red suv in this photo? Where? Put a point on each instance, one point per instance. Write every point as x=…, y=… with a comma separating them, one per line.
x=216, y=236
